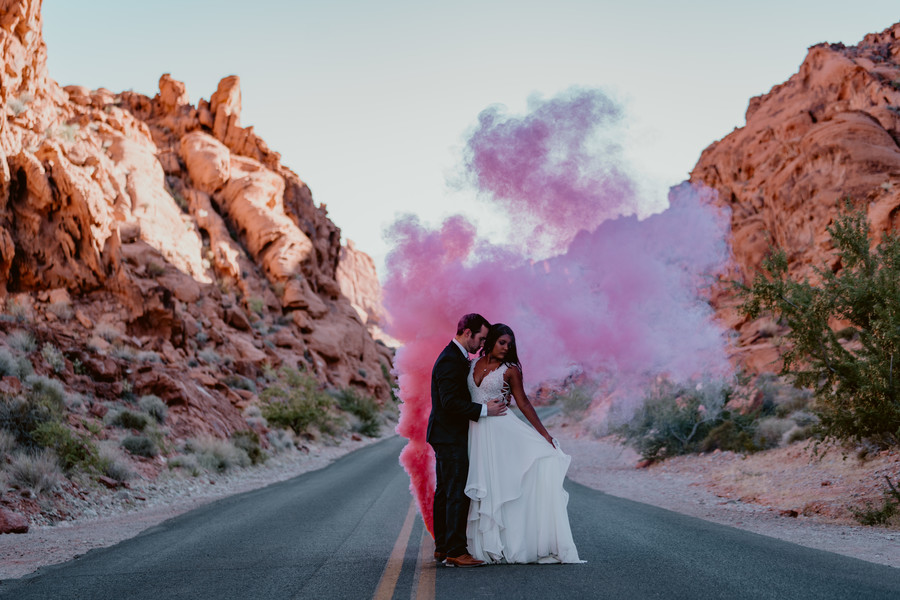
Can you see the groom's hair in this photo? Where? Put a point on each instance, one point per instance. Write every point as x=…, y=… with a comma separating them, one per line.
x=473, y=322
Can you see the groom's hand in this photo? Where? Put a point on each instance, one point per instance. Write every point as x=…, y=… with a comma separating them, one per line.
x=496, y=407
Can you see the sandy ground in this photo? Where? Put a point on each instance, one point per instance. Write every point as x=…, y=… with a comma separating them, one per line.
x=759, y=493
x=779, y=493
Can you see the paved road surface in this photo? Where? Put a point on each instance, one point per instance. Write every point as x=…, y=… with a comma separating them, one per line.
x=348, y=531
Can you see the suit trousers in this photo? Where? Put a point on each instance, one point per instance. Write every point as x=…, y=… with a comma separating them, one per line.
x=451, y=505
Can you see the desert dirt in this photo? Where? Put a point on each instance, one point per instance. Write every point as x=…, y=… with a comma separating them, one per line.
x=780, y=493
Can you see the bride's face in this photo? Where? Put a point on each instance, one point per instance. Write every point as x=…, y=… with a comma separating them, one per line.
x=501, y=347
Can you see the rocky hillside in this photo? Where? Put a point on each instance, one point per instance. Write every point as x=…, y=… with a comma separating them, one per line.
x=162, y=248
x=829, y=133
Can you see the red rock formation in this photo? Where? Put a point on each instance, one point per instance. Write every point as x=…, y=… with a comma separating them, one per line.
x=830, y=132
x=172, y=230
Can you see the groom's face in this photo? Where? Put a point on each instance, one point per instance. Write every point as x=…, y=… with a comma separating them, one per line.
x=476, y=341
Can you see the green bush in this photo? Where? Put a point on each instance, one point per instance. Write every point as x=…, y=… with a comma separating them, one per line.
x=12, y=366
x=74, y=450
x=734, y=435
x=854, y=384
x=155, y=407
x=365, y=408
x=41, y=402
x=248, y=441
x=675, y=419
x=128, y=419
x=140, y=445
x=297, y=402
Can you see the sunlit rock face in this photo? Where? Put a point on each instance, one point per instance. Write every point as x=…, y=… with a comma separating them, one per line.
x=827, y=134
x=167, y=228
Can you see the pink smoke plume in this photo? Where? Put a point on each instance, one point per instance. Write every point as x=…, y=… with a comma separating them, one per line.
x=621, y=301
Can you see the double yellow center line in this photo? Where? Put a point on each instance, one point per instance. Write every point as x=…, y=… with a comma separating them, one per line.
x=423, y=578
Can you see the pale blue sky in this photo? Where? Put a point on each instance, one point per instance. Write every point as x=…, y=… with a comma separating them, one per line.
x=369, y=102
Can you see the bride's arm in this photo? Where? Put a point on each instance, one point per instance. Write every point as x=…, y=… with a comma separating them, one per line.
x=518, y=392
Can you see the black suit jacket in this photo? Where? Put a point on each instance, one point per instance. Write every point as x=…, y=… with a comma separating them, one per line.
x=451, y=405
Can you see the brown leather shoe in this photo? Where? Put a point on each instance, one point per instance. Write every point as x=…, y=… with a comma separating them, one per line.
x=464, y=560
x=439, y=556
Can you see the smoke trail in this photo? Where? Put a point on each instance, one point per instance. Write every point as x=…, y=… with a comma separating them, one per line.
x=619, y=302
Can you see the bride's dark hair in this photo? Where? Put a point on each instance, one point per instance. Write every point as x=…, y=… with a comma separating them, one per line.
x=494, y=333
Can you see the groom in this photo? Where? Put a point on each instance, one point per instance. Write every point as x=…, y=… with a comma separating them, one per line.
x=448, y=433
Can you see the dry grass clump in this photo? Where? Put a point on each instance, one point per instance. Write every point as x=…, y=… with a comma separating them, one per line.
x=216, y=455
x=39, y=472
x=22, y=341
x=155, y=407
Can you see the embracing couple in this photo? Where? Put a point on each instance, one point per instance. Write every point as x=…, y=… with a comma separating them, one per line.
x=499, y=496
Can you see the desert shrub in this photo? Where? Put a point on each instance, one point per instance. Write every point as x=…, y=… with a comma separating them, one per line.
x=47, y=392
x=575, y=400
x=7, y=444
x=123, y=352
x=280, y=439
x=736, y=435
x=248, y=441
x=113, y=466
x=20, y=312
x=128, y=419
x=14, y=366
x=188, y=462
x=297, y=402
x=107, y=332
x=9, y=365
x=854, y=384
x=363, y=407
x=38, y=471
x=675, y=418
x=155, y=407
x=22, y=341
x=140, y=445
x=20, y=418
x=770, y=431
x=257, y=305
x=217, y=455
x=54, y=357
x=148, y=356
x=210, y=356
x=239, y=382
x=63, y=310
x=872, y=515
x=74, y=450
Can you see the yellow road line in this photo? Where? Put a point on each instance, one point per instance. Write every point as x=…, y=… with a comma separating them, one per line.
x=423, y=582
x=385, y=590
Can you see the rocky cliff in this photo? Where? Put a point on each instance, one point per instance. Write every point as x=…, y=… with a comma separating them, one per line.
x=164, y=248
x=829, y=133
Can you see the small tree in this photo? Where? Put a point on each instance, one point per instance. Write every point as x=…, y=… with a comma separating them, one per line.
x=854, y=372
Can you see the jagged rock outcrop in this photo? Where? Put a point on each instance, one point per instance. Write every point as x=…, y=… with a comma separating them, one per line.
x=831, y=132
x=172, y=230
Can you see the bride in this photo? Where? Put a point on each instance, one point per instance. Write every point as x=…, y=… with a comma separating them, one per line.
x=517, y=512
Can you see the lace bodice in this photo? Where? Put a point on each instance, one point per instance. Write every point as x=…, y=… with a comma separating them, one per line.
x=492, y=386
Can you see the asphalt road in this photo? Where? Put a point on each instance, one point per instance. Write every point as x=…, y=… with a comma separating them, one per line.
x=348, y=531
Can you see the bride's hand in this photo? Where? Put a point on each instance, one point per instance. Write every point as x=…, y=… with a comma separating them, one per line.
x=550, y=440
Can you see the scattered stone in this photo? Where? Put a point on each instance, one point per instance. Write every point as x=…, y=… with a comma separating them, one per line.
x=11, y=522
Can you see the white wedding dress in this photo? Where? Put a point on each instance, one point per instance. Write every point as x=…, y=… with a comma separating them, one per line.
x=518, y=505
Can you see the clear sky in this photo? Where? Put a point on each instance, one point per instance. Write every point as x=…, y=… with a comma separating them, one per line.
x=370, y=101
